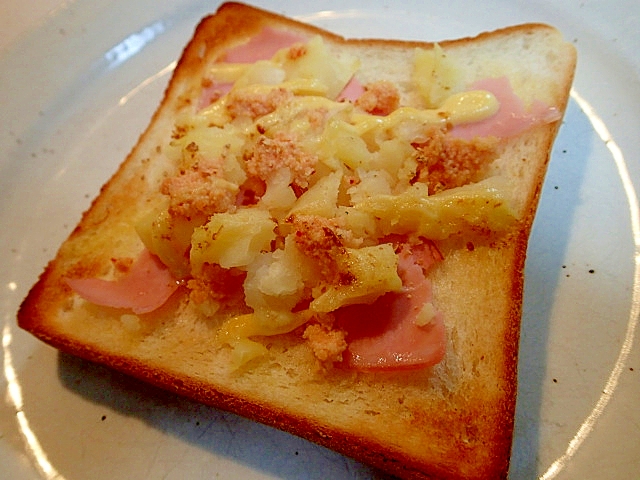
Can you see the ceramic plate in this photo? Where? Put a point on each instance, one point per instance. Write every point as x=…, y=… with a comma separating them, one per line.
x=78, y=83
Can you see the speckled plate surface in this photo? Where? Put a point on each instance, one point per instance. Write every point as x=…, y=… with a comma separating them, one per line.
x=78, y=83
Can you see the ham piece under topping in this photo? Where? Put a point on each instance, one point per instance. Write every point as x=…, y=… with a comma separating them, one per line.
x=352, y=91
x=212, y=91
x=143, y=289
x=388, y=335
x=511, y=118
x=262, y=46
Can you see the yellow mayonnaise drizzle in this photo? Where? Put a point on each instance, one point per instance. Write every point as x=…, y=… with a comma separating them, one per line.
x=465, y=107
x=348, y=143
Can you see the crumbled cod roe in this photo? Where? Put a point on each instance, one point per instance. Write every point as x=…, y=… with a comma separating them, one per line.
x=269, y=216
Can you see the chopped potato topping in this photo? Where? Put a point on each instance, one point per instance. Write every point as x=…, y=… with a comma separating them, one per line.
x=287, y=204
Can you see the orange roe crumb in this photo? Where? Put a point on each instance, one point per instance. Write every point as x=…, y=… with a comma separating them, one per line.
x=379, y=98
x=445, y=162
x=271, y=154
x=256, y=104
x=327, y=345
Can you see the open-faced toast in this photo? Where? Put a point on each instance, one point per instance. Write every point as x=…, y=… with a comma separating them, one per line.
x=294, y=192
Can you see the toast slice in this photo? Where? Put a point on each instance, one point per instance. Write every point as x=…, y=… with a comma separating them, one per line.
x=269, y=211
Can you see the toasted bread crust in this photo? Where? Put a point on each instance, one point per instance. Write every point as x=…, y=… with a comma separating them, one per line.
x=439, y=423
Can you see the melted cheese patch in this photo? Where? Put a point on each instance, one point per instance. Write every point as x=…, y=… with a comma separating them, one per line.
x=320, y=193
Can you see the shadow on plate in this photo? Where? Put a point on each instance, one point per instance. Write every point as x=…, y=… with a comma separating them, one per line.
x=544, y=269
x=266, y=450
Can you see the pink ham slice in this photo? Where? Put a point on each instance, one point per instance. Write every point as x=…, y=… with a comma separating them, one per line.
x=511, y=118
x=352, y=91
x=384, y=335
x=263, y=46
x=213, y=92
x=144, y=288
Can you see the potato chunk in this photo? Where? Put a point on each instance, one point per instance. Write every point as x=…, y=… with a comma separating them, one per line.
x=276, y=280
x=321, y=199
x=482, y=206
x=314, y=61
x=232, y=239
x=368, y=273
x=434, y=75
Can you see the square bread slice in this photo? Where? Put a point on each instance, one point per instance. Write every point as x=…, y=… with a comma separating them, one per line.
x=283, y=195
